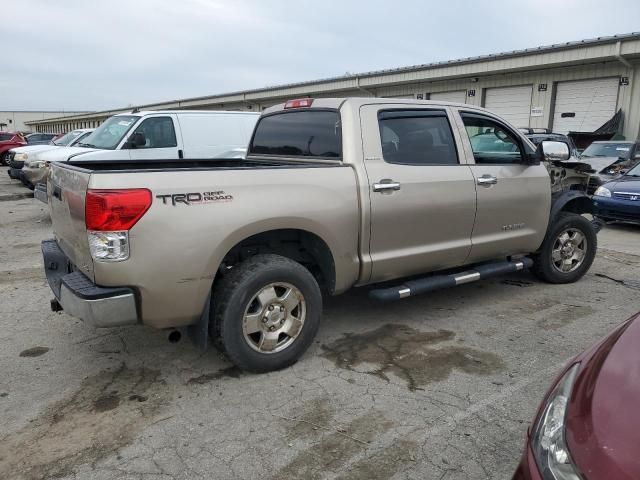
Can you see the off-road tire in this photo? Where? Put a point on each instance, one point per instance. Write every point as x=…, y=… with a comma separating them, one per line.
x=543, y=265
x=234, y=292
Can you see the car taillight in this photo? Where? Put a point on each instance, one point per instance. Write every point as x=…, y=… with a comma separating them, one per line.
x=299, y=103
x=109, y=210
x=109, y=215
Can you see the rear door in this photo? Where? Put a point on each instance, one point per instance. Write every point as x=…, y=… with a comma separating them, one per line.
x=162, y=138
x=514, y=199
x=422, y=193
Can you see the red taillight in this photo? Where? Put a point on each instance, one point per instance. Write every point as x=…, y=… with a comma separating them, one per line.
x=299, y=103
x=115, y=210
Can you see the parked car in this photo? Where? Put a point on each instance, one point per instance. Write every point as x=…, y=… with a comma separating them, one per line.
x=619, y=200
x=41, y=138
x=587, y=424
x=609, y=160
x=156, y=135
x=334, y=193
x=9, y=140
x=18, y=156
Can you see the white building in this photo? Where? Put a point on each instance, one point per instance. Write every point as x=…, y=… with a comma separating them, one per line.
x=16, y=120
x=575, y=86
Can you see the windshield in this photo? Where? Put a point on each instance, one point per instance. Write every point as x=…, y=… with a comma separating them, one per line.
x=634, y=172
x=108, y=135
x=67, y=138
x=607, y=150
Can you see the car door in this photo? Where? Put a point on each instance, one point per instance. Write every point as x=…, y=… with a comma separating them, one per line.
x=161, y=139
x=513, y=196
x=422, y=195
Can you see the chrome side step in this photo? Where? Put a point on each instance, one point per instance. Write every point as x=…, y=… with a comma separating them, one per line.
x=418, y=286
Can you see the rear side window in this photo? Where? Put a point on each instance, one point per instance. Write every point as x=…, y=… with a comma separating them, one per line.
x=308, y=133
x=5, y=136
x=417, y=137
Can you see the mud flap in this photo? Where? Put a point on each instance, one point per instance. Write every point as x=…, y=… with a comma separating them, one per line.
x=199, y=332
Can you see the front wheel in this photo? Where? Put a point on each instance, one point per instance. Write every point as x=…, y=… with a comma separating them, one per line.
x=266, y=313
x=568, y=250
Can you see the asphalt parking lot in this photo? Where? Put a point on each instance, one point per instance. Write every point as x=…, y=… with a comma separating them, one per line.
x=435, y=387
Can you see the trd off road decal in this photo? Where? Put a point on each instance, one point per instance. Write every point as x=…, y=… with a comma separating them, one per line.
x=195, y=198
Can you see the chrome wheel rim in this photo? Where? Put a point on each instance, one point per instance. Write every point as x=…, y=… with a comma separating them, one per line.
x=274, y=318
x=569, y=250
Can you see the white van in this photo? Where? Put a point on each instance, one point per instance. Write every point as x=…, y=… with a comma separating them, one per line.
x=160, y=135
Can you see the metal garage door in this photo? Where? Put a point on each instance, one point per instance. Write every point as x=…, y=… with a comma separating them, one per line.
x=459, y=96
x=399, y=96
x=585, y=105
x=511, y=103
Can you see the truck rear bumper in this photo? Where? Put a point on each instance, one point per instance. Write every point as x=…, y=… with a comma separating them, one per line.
x=81, y=298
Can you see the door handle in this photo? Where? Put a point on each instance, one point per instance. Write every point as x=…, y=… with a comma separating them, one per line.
x=385, y=185
x=487, y=180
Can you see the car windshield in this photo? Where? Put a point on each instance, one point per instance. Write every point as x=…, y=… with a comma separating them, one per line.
x=634, y=172
x=67, y=138
x=607, y=150
x=108, y=135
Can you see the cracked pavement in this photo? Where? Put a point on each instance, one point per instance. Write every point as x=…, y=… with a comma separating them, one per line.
x=441, y=386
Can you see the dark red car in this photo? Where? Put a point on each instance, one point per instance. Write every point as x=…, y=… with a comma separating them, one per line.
x=9, y=140
x=588, y=426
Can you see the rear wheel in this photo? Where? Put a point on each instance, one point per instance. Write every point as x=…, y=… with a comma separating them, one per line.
x=4, y=157
x=568, y=250
x=266, y=313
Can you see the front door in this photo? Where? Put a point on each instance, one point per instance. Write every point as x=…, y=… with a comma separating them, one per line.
x=514, y=198
x=422, y=194
x=161, y=141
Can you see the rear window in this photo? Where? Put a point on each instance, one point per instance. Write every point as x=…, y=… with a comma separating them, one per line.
x=309, y=133
x=5, y=136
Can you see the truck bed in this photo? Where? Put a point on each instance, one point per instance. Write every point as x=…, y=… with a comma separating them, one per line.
x=177, y=247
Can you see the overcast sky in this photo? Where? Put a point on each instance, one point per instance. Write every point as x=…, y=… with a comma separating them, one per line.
x=86, y=55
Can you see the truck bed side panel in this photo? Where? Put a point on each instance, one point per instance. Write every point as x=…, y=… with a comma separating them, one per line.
x=176, y=248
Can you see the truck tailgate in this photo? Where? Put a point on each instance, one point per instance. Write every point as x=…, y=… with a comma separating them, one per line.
x=67, y=189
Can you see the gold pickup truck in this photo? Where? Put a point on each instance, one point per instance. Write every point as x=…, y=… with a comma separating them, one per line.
x=334, y=194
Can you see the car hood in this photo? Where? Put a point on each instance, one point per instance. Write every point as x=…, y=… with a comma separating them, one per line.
x=603, y=415
x=625, y=184
x=33, y=148
x=62, y=154
x=600, y=163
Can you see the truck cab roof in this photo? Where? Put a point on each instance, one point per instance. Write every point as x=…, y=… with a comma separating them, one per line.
x=356, y=102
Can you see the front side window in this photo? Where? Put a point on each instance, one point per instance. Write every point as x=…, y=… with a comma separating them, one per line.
x=109, y=135
x=491, y=142
x=158, y=132
x=417, y=137
x=307, y=133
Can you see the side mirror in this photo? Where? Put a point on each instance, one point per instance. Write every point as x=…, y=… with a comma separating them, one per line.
x=136, y=140
x=555, y=151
